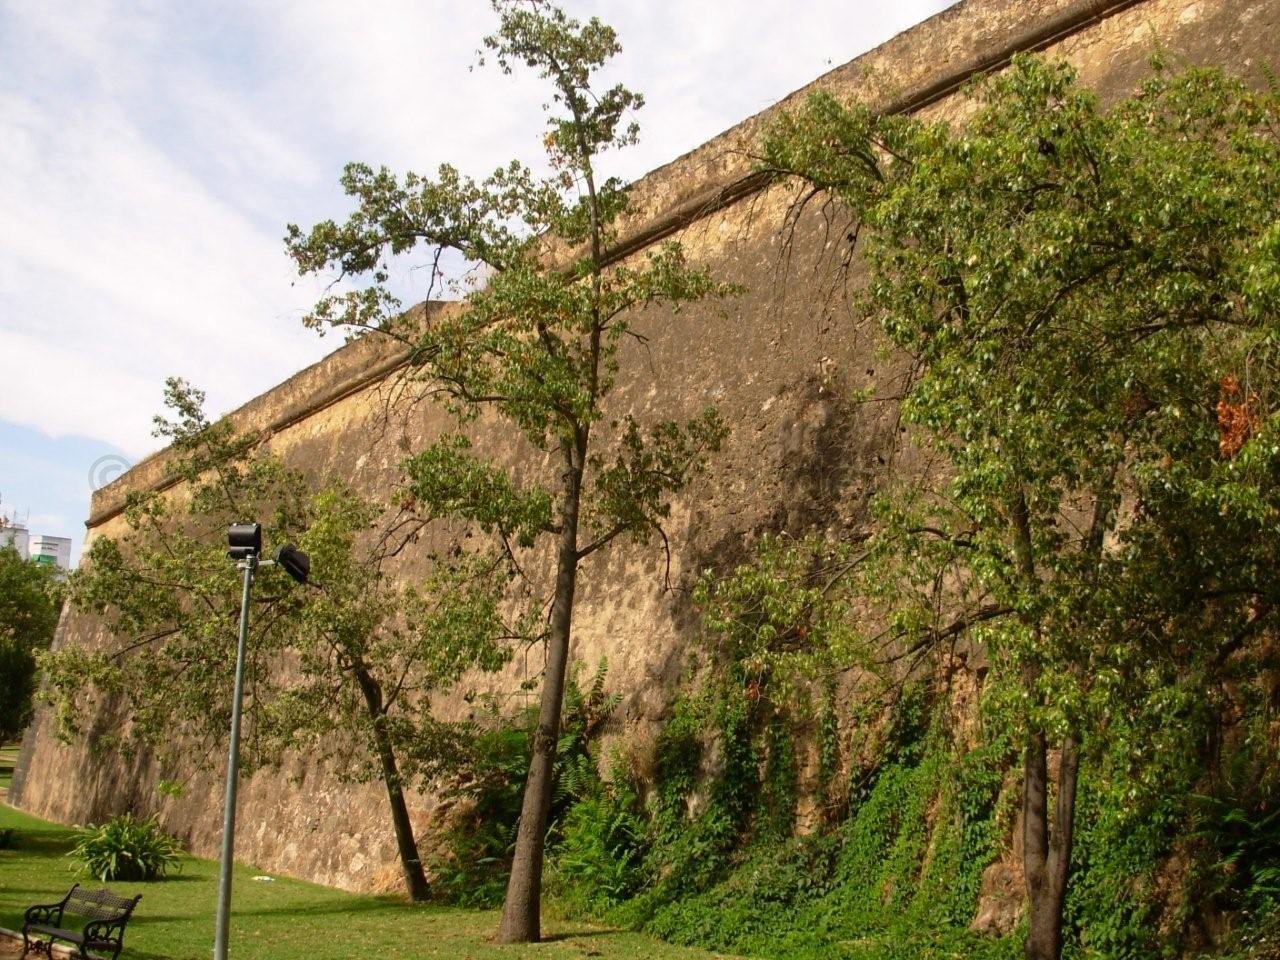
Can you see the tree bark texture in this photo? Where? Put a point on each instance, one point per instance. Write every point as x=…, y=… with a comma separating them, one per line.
x=415, y=878
x=1047, y=845
x=522, y=907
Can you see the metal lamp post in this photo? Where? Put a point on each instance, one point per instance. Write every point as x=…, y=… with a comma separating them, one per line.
x=244, y=542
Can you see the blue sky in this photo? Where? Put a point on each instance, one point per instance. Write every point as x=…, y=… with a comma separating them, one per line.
x=151, y=154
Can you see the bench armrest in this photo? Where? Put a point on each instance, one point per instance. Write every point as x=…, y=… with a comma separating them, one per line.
x=49, y=914
x=99, y=931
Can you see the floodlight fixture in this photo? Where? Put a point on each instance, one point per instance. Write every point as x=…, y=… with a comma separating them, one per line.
x=294, y=562
x=244, y=540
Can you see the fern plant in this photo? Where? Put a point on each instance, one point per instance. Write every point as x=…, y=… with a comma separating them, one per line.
x=126, y=848
x=602, y=845
x=1245, y=839
x=489, y=774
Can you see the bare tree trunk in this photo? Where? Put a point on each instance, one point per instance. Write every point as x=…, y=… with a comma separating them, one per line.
x=1041, y=936
x=415, y=878
x=1047, y=853
x=522, y=909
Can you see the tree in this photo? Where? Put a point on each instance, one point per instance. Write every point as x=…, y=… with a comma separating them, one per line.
x=343, y=668
x=30, y=601
x=1086, y=302
x=371, y=654
x=538, y=346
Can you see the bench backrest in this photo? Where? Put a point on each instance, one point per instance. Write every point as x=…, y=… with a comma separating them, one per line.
x=99, y=904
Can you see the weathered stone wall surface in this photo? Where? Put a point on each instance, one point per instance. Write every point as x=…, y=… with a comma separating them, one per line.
x=780, y=362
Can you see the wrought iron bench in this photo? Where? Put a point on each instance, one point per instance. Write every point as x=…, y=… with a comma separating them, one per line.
x=100, y=928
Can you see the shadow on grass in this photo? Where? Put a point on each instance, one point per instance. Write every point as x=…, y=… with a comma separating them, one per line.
x=32, y=838
x=58, y=884
x=338, y=906
x=141, y=918
x=583, y=934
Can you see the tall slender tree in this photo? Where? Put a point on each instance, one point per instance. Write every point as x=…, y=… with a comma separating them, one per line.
x=539, y=344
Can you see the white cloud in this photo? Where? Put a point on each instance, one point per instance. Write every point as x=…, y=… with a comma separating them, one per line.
x=123, y=265
x=150, y=155
x=122, y=258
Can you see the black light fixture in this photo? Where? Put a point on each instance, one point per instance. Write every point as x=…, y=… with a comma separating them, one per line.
x=294, y=562
x=244, y=540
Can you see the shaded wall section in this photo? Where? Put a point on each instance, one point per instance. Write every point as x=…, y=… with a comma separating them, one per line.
x=781, y=362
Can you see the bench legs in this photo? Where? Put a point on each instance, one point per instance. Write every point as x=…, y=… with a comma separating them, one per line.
x=39, y=946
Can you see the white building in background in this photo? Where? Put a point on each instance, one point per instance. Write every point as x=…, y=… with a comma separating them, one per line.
x=15, y=535
x=40, y=548
x=51, y=550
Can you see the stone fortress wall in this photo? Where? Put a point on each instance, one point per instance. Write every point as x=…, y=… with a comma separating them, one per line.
x=780, y=362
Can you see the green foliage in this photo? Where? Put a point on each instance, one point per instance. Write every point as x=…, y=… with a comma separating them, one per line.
x=783, y=617
x=1086, y=297
x=599, y=838
x=601, y=844
x=170, y=599
x=1248, y=848
x=30, y=600
x=894, y=866
x=1112, y=908
x=1238, y=827
x=449, y=482
x=473, y=872
x=126, y=848
x=898, y=876
x=372, y=652
x=292, y=919
x=1003, y=255
x=343, y=668
x=539, y=345
x=366, y=653
x=487, y=765
x=1257, y=940
x=1157, y=860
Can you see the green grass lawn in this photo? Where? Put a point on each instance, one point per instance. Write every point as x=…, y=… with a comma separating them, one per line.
x=287, y=919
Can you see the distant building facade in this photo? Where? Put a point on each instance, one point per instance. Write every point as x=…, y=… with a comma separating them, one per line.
x=55, y=551
x=41, y=548
x=15, y=535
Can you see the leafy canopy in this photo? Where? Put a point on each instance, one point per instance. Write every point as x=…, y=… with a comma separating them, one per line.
x=1086, y=302
x=539, y=339
x=169, y=599
x=30, y=600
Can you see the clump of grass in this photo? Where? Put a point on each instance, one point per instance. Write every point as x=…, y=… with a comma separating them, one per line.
x=126, y=848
